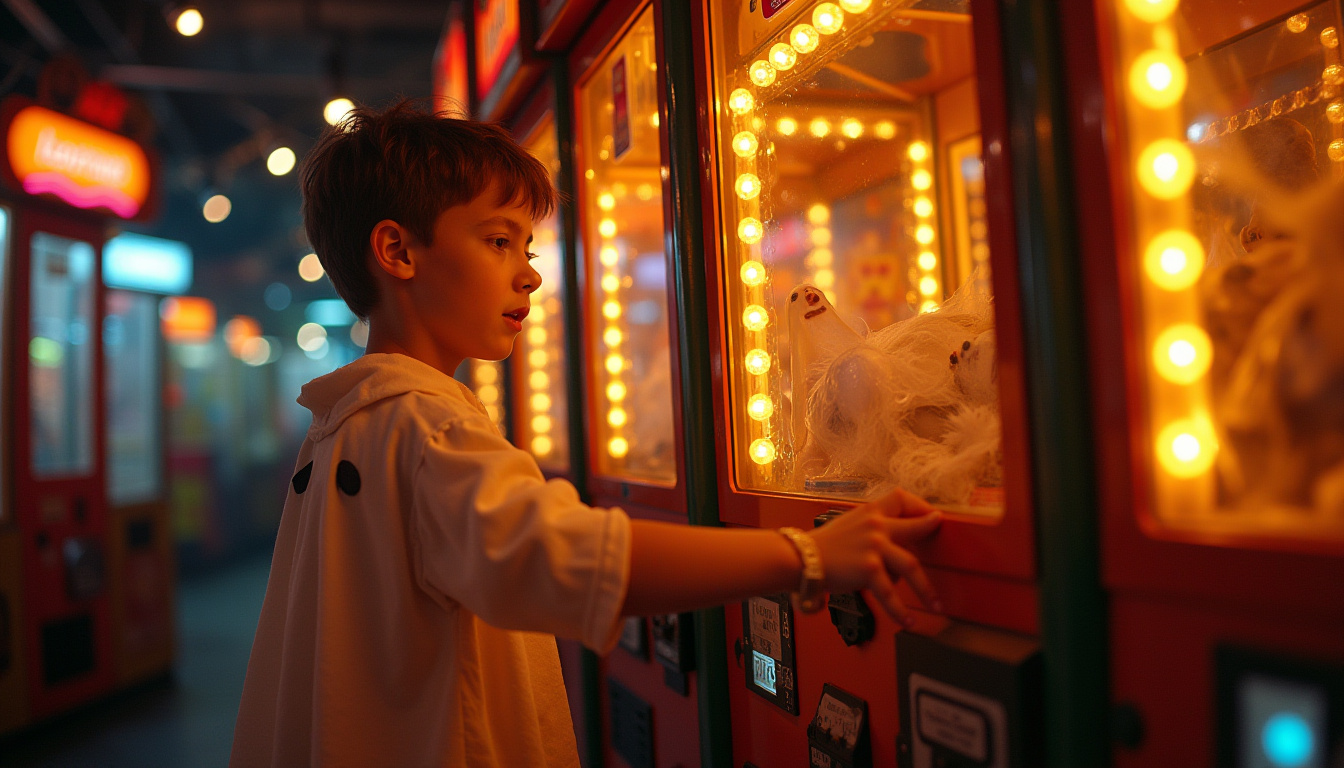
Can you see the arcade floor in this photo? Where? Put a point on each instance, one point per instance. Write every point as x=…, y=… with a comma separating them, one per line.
x=184, y=722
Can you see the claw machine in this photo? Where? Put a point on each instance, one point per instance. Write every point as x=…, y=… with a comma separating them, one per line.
x=862, y=265
x=139, y=271
x=13, y=672
x=1215, y=262
x=650, y=690
x=69, y=178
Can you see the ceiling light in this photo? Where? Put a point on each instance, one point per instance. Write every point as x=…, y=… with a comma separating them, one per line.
x=337, y=109
x=189, y=22
x=216, y=209
x=281, y=161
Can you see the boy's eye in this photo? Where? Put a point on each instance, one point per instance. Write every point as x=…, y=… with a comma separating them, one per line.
x=500, y=242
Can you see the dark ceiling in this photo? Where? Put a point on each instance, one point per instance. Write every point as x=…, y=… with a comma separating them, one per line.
x=255, y=78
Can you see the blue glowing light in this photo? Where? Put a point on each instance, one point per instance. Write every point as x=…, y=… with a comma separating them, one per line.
x=1287, y=740
x=144, y=263
x=329, y=312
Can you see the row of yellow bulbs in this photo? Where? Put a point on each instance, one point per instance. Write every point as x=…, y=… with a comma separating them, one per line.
x=612, y=335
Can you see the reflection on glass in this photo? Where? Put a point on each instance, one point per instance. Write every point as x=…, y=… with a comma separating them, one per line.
x=60, y=356
x=626, y=273
x=856, y=256
x=542, y=426
x=131, y=356
x=1235, y=125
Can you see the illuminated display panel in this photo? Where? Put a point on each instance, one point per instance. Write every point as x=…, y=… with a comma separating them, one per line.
x=4, y=363
x=542, y=425
x=60, y=356
x=1234, y=127
x=856, y=281
x=629, y=353
x=134, y=436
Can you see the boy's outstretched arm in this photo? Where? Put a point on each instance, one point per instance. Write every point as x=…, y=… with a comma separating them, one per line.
x=680, y=568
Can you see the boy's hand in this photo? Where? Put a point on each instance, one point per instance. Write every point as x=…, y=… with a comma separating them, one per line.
x=861, y=549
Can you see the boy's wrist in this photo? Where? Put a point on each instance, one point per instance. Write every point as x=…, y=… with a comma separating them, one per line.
x=811, y=591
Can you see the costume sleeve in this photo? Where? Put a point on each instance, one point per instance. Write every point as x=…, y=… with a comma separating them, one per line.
x=523, y=553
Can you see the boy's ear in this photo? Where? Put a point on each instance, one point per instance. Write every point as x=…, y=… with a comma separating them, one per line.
x=390, y=243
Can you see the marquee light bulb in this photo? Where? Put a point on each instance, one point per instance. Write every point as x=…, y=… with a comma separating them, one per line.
x=917, y=151
x=618, y=447
x=745, y=145
x=1182, y=353
x=1166, y=169
x=819, y=127
x=740, y=101
x=787, y=126
x=757, y=362
x=760, y=407
x=1151, y=11
x=761, y=72
x=750, y=230
x=1157, y=79
x=1174, y=260
x=616, y=391
x=755, y=318
x=828, y=18
x=851, y=128
x=748, y=186
x=1187, y=448
x=783, y=57
x=804, y=38
x=921, y=180
x=752, y=273
x=762, y=451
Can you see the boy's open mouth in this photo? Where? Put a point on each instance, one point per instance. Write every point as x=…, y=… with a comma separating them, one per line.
x=518, y=314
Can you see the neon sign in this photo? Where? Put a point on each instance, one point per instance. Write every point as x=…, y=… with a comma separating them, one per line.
x=52, y=154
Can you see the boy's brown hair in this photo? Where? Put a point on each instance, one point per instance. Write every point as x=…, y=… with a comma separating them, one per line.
x=409, y=164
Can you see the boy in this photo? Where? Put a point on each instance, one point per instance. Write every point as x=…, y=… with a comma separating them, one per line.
x=423, y=564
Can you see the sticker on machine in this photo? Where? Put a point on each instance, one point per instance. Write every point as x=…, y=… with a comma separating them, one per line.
x=620, y=112
x=765, y=635
x=771, y=7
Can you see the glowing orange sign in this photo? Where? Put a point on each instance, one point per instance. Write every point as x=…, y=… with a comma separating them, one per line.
x=187, y=318
x=86, y=166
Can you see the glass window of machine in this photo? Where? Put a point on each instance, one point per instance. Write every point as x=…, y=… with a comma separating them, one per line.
x=1234, y=128
x=60, y=356
x=630, y=371
x=856, y=279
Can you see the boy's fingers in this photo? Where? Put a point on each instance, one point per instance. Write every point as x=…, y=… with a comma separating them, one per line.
x=912, y=529
x=902, y=503
x=884, y=589
x=906, y=565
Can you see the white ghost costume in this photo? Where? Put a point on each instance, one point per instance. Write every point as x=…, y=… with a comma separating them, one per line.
x=422, y=567
x=913, y=404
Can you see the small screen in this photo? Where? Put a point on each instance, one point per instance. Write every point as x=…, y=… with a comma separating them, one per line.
x=763, y=671
x=1281, y=723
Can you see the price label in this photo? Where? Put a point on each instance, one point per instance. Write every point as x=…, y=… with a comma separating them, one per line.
x=763, y=671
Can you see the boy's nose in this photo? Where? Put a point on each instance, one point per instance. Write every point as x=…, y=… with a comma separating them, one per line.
x=531, y=280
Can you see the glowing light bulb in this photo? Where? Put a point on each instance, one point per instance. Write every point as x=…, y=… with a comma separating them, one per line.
x=614, y=363
x=485, y=374
x=1336, y=150
x=927, y=261
x=828, y=18
x=927, y=307
x=336, y=110
x=752, y=273
x=761, y=72
x=755, y=318
x=1157, y=79
x=541, y=423
x=539, y=380
x=542, y=445
x=757, y=362
x=1187, y=448
x=310, y=268
x=1182, y=353
x=613, y=337
x=538, y=358
x=928, y=286
x=1298, y=22
x=610, y=283
x=762, y=450
x=924, y=234
x=540, y=402
x=820, y=237
x=750, y=230
x=1330, y=37
x=1335, y=112
x=489, y=394
x=851, y=128
x=917, y=151
x=189, y=22
x=819, y=127
x=783, y=57
x=787, y=126
x=611, y=309
x=616, y=417
x=804, y=38
x=759, y=407
x=921, y=179
x=606, y=201
x=855, y=6
x=616, y=391
x=607, y=228
x=536, y=335
x=216, y=209
x=1165, y=169
x=923, y=207
x=617, y=447
x=748, y=186
x=741, y=101
x=1333, y=74
x=280, y=161
x=1173, y=260
x=821, y=257
x=1151, y=11
x=885, y=129
x=818, y=214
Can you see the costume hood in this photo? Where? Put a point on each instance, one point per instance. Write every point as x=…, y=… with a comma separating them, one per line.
x=336, y=396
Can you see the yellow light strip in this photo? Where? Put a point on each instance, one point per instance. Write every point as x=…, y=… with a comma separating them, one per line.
x=614, y=335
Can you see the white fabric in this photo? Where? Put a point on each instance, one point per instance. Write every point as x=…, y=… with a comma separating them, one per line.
x=403, y=625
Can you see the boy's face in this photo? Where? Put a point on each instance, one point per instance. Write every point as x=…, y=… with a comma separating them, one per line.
x=472, y=285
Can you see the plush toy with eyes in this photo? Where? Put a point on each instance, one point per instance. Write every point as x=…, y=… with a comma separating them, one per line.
x=913, y=404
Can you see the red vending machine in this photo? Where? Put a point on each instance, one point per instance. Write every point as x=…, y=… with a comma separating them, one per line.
x=866, y=334
x=67, y=176
x=630, y=358
x=1214, y=265
x=13, y=671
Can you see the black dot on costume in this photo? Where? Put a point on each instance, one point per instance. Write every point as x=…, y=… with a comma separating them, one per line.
x=300, y=481
x=347, y=478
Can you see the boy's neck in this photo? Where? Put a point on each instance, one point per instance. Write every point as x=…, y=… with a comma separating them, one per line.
x=383, y=342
